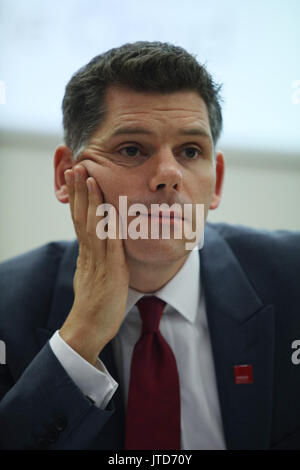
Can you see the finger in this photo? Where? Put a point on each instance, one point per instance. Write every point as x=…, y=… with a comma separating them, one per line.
x=96, y=198
x=69, y=178
x=80, y=201
x=115, y=254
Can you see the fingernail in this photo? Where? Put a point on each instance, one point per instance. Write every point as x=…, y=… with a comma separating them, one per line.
x=89, y=185
x=78, y=175
x=68, y=177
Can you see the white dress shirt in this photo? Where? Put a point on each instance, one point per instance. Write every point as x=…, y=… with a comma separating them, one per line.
x=184, y=326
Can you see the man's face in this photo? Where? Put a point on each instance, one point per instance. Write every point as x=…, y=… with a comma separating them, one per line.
x=155, y=160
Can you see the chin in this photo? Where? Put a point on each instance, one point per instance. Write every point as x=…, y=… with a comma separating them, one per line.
x=156, y=251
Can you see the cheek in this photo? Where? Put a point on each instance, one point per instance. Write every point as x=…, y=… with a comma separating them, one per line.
x=107, y=178
x=204, y=185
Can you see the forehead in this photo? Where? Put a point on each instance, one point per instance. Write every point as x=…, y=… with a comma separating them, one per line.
x=124, y=105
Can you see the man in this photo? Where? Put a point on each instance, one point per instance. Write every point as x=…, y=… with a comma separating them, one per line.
x=85, y=368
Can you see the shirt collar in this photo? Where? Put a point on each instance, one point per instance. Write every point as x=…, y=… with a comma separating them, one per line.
x=182, y=292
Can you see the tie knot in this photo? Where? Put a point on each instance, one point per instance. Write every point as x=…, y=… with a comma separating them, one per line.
x=151, y=309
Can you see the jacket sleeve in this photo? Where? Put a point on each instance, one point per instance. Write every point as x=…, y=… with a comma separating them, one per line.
x=45, y=408
x=40, y=405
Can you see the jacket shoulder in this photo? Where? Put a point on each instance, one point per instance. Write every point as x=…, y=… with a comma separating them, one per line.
x=32, y=266
x=27, y=280
x=269, y=258
x=257, y=241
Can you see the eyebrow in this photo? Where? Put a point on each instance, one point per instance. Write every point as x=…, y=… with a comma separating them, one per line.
x=140, y=130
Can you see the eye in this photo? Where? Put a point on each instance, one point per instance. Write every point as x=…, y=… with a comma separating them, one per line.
x=192, y=152
x=131, y=150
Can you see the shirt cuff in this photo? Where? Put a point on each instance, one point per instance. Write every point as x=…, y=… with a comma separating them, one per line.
x=94, y=381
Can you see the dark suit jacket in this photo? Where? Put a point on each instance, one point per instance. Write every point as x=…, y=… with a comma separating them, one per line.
x=252, y=291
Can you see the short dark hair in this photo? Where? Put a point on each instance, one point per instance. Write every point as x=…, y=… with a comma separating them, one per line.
x=141, y=66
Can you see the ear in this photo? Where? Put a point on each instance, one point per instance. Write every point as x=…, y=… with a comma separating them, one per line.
x=62, y=162
x=220, y=171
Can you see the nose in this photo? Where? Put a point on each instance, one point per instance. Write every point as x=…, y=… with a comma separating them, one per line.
x=166, y=173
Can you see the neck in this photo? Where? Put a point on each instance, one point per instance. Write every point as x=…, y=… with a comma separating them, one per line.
x=147, y=277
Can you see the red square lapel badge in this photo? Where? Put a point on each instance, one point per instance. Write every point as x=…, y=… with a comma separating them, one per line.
x=243, y=374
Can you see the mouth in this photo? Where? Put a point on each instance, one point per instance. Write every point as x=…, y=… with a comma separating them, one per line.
x=164, y=217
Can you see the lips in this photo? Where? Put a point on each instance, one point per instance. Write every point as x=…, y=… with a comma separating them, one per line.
x=166, y=214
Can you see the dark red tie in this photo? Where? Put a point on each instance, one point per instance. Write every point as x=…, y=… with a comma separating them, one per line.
x=153, y=407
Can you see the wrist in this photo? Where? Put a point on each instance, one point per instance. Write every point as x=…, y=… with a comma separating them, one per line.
x=85, y=343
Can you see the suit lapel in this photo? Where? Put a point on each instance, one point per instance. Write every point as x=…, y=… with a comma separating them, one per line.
x=242, y=332
x=63, y=294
